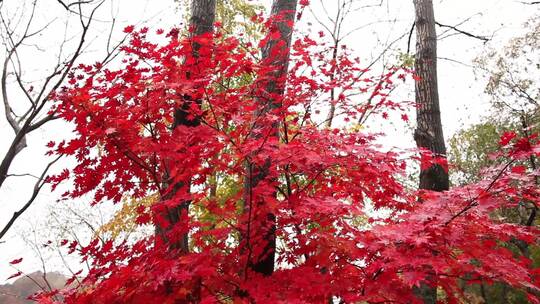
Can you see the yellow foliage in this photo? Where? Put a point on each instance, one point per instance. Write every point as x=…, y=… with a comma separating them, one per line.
x=355, y=128
x=234, y=16
x=124, y=220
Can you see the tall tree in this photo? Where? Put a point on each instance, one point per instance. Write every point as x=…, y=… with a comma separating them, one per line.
x=203, y=13
x=429, y=133
x=334, y=177
x=261, y=239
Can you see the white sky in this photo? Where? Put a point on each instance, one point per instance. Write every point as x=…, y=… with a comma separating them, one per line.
x=461, y=95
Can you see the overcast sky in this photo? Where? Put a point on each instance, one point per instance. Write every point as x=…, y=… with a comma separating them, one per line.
x=461, y=94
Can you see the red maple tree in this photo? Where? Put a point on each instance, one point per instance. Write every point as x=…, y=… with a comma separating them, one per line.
x=319, y=187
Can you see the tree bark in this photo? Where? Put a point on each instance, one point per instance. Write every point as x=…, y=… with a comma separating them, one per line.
x=429, y=133
x=203, y=15
x=201, y=22
x=285, y=11
x=264, y=225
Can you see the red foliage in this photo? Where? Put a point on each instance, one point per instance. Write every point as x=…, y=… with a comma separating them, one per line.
x=16, y=261
x=326, y=181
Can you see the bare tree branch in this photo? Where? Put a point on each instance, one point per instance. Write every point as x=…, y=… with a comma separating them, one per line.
x=16, y=31
x=410, y=37
x=485, y=39
x=37, y=188
x=42, y=99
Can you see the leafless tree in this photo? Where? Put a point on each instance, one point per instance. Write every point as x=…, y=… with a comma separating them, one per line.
x=28, y=102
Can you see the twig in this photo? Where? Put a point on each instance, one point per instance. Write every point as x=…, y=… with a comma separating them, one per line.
x=485, y=39
x=474, y=202
x=37, y=188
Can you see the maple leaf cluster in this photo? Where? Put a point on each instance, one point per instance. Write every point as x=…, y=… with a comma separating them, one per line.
x=320, y=185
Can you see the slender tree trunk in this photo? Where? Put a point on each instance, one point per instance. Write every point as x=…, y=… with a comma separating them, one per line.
x=201, y=22
x=285, y=11
x=429, y=132
x=332, y=111
x=260, y=237
x=529, y=219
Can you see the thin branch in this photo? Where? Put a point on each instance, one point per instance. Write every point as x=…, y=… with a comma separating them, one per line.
x=410, y=37
x=37, y=188
x=41, y=122
x=474, y=202
x=485, y=39
x=43, y=99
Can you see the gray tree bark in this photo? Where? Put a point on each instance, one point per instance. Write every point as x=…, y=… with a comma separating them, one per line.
x=429, y=132
x=203, y=15
x=285, y=11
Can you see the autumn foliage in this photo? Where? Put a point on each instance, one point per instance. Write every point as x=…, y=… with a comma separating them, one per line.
x=345, y=224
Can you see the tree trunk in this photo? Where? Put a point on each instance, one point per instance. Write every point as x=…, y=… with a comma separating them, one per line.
x=201, y=22
x=260, y=236
x=285, y=11
x=203, y=15
x=429, y=132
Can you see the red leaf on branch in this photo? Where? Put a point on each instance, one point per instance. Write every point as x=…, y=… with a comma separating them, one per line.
x=15, y=275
